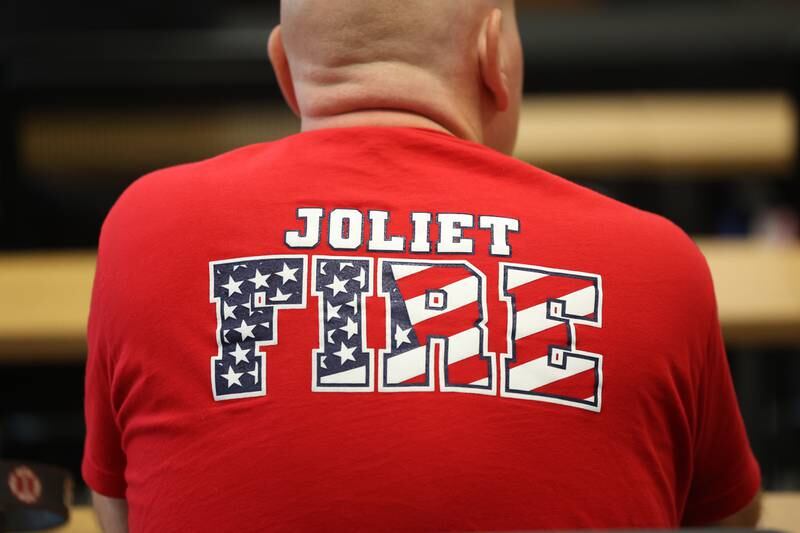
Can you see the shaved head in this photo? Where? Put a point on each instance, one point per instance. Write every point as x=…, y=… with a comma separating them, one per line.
x=424, y=57
x=423, y=33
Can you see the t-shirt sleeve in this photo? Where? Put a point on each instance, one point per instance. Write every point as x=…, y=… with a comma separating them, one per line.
x=103, y=466
x=726, y=475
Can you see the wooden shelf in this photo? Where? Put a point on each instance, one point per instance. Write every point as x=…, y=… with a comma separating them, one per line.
x=643, y=136
x=45, y=305
x=758, y=289
x=659, y=135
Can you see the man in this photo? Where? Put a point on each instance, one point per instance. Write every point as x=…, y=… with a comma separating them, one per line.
x=465, y=342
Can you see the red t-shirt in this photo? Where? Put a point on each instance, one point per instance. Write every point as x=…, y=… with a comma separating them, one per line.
x=379, y=329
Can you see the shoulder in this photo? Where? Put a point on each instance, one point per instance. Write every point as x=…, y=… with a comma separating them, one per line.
x=644, y=245
x=626, y=223
x=176, y=188
x=654, y=246
x=176, y=176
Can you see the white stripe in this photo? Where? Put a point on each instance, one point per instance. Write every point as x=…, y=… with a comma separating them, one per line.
x=534, y=319
x=517, y=277
x=406, y=365
x=411, y=364
x=484, y=382
x=535, y=374
x=352, y=376
x=399, y=271
x=463, y=345
x=459, y=294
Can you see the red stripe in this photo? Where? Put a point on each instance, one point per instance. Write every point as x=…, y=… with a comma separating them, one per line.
x=536, y=345
x=541, y=290
x=434, y=277
x=416, y=380
x=468, y=370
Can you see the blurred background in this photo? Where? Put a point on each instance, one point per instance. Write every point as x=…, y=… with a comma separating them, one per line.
x=685, y=108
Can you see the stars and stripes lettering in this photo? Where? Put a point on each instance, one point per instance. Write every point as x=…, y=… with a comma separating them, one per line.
x=435, y=317
x=543, y=363
x=248, y=293
x=342, y=363
x=436, y=336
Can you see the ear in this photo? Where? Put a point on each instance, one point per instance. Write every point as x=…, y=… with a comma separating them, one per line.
x=492, y=61
x=280, y=64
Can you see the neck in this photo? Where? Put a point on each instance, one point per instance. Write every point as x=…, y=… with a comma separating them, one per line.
x=370, y=117
x=402, y=97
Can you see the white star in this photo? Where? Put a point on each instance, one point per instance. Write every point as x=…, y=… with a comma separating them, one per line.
x=280, y=297
x=345, y=354
x=322, y=361
x=361, y=278
x=227, y=310
x=254, y=373
x=322, y=266
x=237, y=267
x=233, y=286
x=233, y=377
x=259, y=280
x=263, y=324
x=288, y=273
x=351, y=328
x=401, y=336
x=225, y=335
x=330, y=335
x=245, y=331
x=345, y=265
x=333, y=312
x=337, y=286
x=240, y=354
x=354, y=303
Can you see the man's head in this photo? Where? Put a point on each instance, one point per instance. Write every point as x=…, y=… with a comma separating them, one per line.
x=457, y=63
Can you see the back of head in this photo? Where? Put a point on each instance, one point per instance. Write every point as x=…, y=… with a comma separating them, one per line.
x=455, y=62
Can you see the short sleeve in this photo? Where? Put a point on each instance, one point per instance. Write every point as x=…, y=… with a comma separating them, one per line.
x=726, y=475
x=103, y=466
